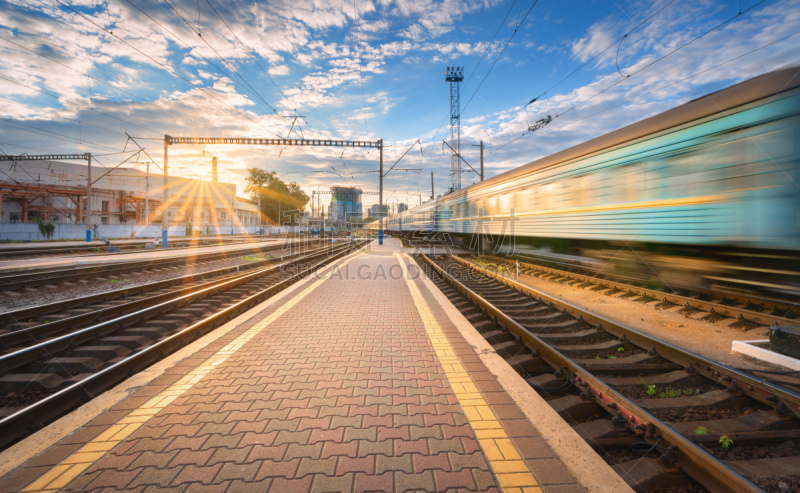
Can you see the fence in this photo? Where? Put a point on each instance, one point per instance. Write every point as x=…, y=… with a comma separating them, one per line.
x=30, y=232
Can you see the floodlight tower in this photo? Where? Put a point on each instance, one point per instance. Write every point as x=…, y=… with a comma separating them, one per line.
x=454, y=76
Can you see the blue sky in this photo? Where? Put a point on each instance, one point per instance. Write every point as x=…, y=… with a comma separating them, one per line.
x=363, y=71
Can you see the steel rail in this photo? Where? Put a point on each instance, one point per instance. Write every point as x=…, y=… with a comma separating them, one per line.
x=12, y=252
x=740, y=314
x=751, y=386
x=18, y=281
x=707, y=470
x=51, y=347
x=34, y=416
x=23, y=314
x=35, y=333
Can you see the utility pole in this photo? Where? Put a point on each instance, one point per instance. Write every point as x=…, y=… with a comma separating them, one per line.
x=481, y=160
x=380, y=195
x=147, y=195
x=431, y=185
x=380, y=183
x=164, y=223
x=89, y=198
x=481, y=146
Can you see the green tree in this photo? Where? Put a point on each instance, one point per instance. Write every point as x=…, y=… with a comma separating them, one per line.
x=277, y=196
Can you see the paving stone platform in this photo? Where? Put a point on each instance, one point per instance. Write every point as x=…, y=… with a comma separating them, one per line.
x=344, y=386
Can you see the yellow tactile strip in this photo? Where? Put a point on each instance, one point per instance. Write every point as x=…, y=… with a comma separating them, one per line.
x=70, y=468
x=511, y=471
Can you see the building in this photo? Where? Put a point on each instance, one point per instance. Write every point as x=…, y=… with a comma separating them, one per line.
x=246, y=212
x=401, y=208
x=378, y=211
x=56, y=192
x=345, y=204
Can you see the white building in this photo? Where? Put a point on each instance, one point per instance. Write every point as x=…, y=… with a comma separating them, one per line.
x=56, y=191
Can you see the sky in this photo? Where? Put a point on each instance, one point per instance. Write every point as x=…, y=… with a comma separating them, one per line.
x=84, y=75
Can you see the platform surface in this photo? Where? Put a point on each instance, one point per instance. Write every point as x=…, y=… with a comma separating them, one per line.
x=15, y=245
x=55, y=262
x=355, y=381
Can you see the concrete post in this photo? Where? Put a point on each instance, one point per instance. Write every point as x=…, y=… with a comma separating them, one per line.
x=164, y=223
x=89, y=196
x=380, y=194
x=481, y=160
x=147, y=196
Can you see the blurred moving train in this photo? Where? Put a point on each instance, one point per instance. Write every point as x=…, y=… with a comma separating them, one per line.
x=706, y=193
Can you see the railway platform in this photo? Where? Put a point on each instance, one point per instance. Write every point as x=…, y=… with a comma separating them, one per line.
x=45, y=263
x=360, y=378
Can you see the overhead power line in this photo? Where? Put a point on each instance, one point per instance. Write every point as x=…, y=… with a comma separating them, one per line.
x=660, y=88
x=516, y=29
x=246, y=49
x=252, y=90
x=488, y=46
x=90, y=108
x=616, y=42
x=105, y=83
x=659, y=59
x=165, y=67
x=360, y=67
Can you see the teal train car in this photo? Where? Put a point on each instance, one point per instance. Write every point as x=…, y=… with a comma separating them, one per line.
x=707, y=192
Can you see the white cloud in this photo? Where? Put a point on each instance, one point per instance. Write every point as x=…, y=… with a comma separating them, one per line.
x=279, y=70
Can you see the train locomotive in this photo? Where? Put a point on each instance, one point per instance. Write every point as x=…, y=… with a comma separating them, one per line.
x=707, y=193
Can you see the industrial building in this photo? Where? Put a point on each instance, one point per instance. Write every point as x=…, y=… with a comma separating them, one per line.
x=56, y=191
x=379, y=211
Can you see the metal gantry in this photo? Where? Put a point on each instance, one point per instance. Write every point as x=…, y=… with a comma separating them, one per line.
x=53, y=157
x=454, y=76
x=170, y=140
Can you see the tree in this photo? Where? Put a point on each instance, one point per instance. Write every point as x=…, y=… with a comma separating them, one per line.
x=276, y=195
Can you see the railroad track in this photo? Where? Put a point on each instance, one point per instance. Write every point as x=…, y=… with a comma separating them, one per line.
x=48, y=372
x=32, y=324
x=666, y=419
x=739, y=310
x=55, y=277
x=23, y=252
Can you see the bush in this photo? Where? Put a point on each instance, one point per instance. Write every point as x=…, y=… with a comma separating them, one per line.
x=46, y=229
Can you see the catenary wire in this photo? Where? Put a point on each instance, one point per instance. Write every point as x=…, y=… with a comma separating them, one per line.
x=104, y=82
x=654, y=90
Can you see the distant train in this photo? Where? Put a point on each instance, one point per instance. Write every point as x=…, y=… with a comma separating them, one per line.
x=706, y=193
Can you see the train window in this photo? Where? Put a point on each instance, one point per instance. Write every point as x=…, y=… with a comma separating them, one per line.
x=528, y=199
x=492, y=206
x=584, y=192
x=504, y=204
x=548, y=198
x=568, y=197
x=479, y=207
x=656, y=179
x=631, y=180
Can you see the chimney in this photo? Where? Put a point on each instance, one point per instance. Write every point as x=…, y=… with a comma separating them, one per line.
x=214, y=169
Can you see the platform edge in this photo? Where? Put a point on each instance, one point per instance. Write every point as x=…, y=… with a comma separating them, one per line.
x=589, y=469
x=30, y=447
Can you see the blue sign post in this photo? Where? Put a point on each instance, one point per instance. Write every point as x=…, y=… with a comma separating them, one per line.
x=380, y=237
x=164, y=238
x=88, y=235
